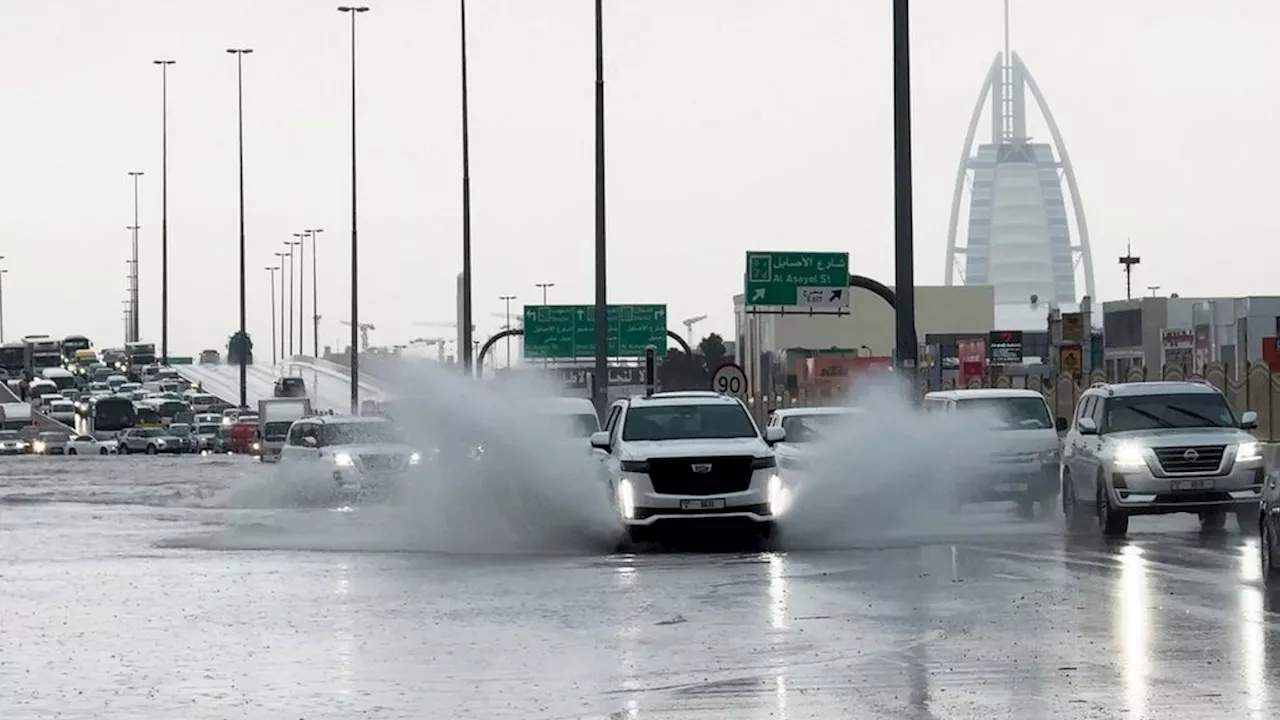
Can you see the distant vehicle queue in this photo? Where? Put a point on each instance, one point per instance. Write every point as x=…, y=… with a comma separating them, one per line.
x=120, y=401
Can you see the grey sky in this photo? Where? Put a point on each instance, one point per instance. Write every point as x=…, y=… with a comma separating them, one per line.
x=732, y=125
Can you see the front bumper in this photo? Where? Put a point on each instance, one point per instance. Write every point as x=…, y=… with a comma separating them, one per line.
x=638, y=505
x=1142, y=493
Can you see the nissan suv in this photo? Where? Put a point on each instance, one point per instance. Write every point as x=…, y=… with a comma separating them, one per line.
x=686, y=457
x=1155, y=448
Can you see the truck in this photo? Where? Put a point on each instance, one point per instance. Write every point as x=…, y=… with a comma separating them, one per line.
x=15, y=415
x=275, y=416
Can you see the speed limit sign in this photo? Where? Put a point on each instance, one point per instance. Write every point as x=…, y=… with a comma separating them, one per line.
x=729, y=380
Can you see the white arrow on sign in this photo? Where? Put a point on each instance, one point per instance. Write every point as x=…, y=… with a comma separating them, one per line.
x=822, y=297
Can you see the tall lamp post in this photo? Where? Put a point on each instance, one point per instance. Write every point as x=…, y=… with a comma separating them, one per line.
x=3, y=272
x=164, y=210
x=244, y=337
x=507, y=299
x=132, y=334
x=315, y=296
x=600, y=386
x=907, y=347
x=302, y=283
x=290, y=252
x=467, y=322
x=272, y=271
x=543, y=287
x=280, y=259
x=353, y=11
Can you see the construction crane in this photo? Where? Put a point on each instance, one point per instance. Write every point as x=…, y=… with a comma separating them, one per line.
x=688, y=327
x=364, y=333
x=438, y=342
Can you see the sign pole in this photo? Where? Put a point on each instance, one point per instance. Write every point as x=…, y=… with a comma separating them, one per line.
x=650, y=369
x=904, y=258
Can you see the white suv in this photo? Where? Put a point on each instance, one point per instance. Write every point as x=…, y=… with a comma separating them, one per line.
x=1153, y=448
x=685, y=457
x=365, y=456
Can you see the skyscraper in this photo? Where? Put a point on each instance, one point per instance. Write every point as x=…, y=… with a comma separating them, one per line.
x=1018, y=238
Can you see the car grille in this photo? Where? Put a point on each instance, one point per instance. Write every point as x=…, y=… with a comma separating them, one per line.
x=676, y=476
x=382, y=462
x=1190, y=458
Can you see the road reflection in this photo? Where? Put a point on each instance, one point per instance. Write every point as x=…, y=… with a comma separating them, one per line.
x=1252, y=615
x=626, y=577
x=778, y=615
x=1133, y=629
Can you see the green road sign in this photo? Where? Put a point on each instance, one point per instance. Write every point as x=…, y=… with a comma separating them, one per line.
x=797, y=279
x=180, y=360
x=568, y=331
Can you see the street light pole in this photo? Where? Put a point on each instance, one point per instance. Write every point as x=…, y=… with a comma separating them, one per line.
x=164, y=211
x=507, y=299
x=272, y=271
x=315, y=296
x=543, y=287
x=355, y=243
x=291, y=246
x=280, y=259
x=3, y=272
x=904, y=284
x=302, y=266
x=133, y=297
x=600, y=384
x=244, y=336
x=467, y=322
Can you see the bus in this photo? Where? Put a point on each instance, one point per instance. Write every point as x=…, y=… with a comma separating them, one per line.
x=107, y=416
x=138, y=355
x=71, y=344
x=13, y=358
x=40, y=352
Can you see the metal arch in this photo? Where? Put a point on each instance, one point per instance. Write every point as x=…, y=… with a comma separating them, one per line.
x=963, y=170
x=885, y=293
x=484, y=350
x=1086, y=251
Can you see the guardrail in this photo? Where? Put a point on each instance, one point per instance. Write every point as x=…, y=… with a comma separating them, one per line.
x=44, y=422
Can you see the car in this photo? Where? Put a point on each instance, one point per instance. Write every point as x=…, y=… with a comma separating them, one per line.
x=1156, y=448
x=803, y=427
x=63, y=411
x=185, y=433
x=681, y=458
x=12, y=443
x=290, y=387
x=50, y=442
x=88, y=445
x=149, y=440
x=207, y=435
x=366, y=456
x=210, y=357
x=1022, y=448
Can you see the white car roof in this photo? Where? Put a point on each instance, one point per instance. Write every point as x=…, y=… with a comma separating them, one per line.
x=683, y=398
x=569, y=406
x=821, y=410
x=987, y=393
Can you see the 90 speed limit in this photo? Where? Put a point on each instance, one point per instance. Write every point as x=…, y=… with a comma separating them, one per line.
x=729, y=379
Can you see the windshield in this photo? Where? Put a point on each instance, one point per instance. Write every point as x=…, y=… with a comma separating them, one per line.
x=208, y=429
x=677, y=422
x=1015, y=413
x=1182, y=410
x=177, y=430
x=114, y=414
x=809, y=428
x=359, y=433
x=9, y=435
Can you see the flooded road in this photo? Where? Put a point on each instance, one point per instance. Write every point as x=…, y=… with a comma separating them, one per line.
x=145, y=588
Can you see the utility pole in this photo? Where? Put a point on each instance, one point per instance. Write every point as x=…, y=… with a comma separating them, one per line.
x=904, y=242
x=133, y=291
x=600, y=378
x=302, y=285
x=164, y=210
x=244, y=334
x=1128, y=261
x=507, y=299
x=467, y=322
x=272, y=271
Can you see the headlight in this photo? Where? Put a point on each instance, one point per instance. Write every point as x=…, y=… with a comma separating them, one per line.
x=38, y=446
x=1248, y=451
x=257, y=446
x=626, y=500
x=343, y=460
x=1128, y=457
x=779, y=496
x=415, y=458
x=160, y=443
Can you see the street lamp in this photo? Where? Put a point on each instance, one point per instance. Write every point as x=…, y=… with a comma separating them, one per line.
x=600, y=387
x=3, y=272
x=467, y=322
x=164, y=210
x=543, y=287
x=244, y=337
x=355, y=244
x=279, y=259
x=302, y=283
x=291, y=245
x=315, y=296
x=272, y=271
x=133, y=309
x=507, y=299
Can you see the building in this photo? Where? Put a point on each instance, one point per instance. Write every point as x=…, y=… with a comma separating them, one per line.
x=770, y=347
x=1018, y=237
x=1188, y=332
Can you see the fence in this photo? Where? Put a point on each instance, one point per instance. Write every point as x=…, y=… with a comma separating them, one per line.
x=1257, y=390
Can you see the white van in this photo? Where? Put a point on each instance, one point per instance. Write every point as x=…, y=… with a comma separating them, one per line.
x=576, y=417
x=1026, y=450
x=63, y=379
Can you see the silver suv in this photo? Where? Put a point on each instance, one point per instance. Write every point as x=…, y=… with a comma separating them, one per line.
x=1155, y=448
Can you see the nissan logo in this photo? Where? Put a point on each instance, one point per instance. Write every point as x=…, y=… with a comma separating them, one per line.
x=1190, y=455
x=702, y=468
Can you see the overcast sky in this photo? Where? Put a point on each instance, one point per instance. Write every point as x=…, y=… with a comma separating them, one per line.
x=731, y=124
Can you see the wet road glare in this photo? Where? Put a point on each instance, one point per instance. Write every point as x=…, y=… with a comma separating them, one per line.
x=132, y=588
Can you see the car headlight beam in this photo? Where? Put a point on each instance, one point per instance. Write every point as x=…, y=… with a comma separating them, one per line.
x=415, y=458
x=779, y=496
x=626, y=499
x=1248, y=451
x=343, y=460
x=1128, y=457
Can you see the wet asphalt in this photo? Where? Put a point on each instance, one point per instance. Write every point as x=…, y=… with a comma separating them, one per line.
x=130, y=588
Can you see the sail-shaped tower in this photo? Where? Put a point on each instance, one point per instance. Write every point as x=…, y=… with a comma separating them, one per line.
x=1017, y=237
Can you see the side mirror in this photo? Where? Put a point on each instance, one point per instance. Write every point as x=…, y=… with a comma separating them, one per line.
x=1249, y=420
x=774, y=435
x=1062, y=424
x=310, y=441
x=600, y=440
x=1087, y=426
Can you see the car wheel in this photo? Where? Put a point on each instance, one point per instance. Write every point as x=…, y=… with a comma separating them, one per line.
x=71, y=451
x=639, y=534
x=1270, y=575
x=1076, y=518
x=1114, y=523
x=151, y=450
x=1213, y=521
x=103, y=451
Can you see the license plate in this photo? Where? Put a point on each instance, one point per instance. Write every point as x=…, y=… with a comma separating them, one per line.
x=717, y=504
x=1011, y=487
x=1192, y=484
